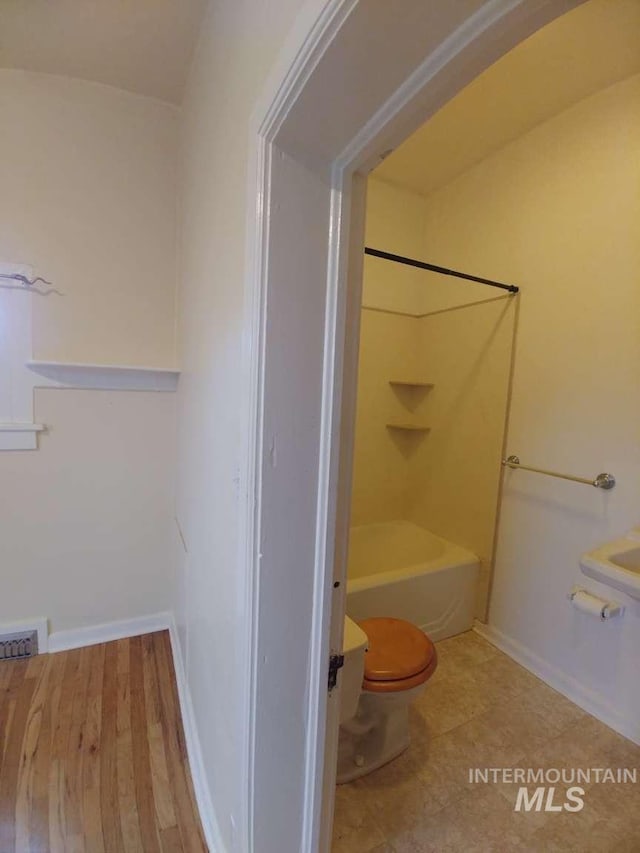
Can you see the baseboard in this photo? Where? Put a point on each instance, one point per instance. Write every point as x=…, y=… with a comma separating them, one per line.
x=75, y=638
x=194, y=750
x=590, y=701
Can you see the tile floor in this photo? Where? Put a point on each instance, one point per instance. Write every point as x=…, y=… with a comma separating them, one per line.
x=481, y=709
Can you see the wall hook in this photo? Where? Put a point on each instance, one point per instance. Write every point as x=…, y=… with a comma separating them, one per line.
x=29, y=283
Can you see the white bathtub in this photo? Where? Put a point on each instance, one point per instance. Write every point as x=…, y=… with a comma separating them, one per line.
x=400, y=569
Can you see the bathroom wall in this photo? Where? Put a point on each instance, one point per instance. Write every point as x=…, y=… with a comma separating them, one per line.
x=436, y=329
x=454, y=475
x=88, y=183
x=388, y=346
x=395, y=220
x=559, y=210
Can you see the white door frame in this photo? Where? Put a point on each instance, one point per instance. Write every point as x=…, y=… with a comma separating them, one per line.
x=308, y=145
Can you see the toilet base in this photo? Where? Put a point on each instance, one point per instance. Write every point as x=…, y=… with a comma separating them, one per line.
x=349, y=771
x=376, y=735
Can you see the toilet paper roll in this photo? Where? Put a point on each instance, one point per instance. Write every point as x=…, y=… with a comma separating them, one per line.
x=587, y=603
x=593, y=604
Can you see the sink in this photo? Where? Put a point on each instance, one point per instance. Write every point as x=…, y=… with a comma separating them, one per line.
x=616, y=563
x=629, y=560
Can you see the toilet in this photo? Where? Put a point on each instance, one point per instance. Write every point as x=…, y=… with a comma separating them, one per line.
x=387, y=663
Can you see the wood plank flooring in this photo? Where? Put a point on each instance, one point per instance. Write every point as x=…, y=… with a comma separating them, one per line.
x=92, y=753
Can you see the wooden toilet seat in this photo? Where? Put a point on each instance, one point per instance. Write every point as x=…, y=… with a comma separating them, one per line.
x=399, y=656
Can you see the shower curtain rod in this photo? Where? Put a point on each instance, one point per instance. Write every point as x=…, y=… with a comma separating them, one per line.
x=423, y=265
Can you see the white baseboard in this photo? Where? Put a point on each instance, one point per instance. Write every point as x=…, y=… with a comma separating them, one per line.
x=590, y=701
x=75, y=638
x=194, y=750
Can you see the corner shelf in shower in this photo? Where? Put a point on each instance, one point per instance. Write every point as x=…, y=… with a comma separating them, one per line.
x=405, y=383
x=408, y=427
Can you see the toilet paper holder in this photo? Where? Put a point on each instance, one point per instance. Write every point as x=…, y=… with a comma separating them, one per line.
x=587, y=602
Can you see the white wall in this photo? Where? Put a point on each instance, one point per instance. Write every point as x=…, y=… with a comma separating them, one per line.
x=88, y=177
x=559, y=213
x=88, y=182
x=238, y=44
x=86, y=520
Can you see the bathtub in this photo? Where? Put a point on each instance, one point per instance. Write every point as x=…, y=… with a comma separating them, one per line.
x=399, y=569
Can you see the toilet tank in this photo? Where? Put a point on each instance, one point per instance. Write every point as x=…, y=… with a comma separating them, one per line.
x=353, y=648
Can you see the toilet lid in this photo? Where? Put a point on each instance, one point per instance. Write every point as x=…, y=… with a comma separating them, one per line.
x=397, y=649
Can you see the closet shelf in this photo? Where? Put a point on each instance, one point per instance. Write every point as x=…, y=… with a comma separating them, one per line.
x=21, y=427
x=408, y=427
x=406, y=383
x=113, y=377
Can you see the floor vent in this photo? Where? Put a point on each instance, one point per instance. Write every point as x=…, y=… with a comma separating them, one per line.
x=19, y=645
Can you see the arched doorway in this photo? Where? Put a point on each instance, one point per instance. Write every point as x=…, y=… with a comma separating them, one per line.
x=359, y=78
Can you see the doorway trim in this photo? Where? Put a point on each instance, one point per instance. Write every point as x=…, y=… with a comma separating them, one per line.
x=299, y=172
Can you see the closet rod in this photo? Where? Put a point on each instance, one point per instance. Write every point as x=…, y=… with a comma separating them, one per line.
x=423, y=265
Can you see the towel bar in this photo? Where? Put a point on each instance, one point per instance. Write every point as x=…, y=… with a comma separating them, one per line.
x=602, y=481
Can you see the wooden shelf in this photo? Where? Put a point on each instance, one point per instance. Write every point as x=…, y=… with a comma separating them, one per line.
x=404, y=383
x=408, y=427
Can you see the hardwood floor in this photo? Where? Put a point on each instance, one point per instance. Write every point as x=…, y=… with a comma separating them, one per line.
x=92, y=753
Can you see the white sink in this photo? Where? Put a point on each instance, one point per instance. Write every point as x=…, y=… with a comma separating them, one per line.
x=616, y=563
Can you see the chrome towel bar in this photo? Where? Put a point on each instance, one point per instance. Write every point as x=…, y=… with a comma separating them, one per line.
x=602, y=481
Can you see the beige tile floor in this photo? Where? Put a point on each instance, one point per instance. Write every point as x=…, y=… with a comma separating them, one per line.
x=481, y=709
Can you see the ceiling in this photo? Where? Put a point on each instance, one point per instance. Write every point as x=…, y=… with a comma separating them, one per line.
x=587, y=49
x=143, y=46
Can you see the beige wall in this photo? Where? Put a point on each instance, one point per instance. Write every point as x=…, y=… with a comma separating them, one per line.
x=382, y=457
x=454, y=476
x=560, y=215
x=88, y=181
x=394, y=223
x=556, y=212
x=388, y=346
x=420, y=326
